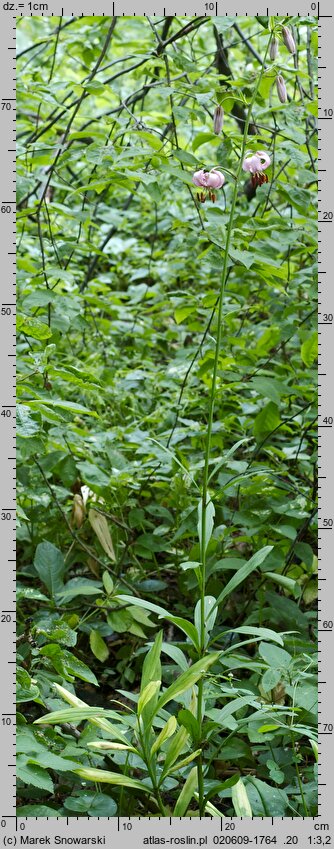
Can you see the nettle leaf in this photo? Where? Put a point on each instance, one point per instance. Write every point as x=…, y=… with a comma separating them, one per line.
x=275, y=656
x=270, y=679
x=30, y=326
x=26, y=426
x=205, y=138
x=309, y=349
x=246, y=258
x=48, y=760
x=68, y=406
x=33, y=774
x=268, y=388
x=267, y=420
x=67, y=664
x=36, y=811
x=184, y=312
x=50, y=567
x=93, y=475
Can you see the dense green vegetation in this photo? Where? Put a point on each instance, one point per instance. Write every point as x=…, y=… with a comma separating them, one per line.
x=167, y=570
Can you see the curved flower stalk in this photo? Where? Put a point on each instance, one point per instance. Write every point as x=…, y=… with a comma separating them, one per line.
x=208, y=180
x=256, y=163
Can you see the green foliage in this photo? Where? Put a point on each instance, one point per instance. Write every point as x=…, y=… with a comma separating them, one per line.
x=189, y=689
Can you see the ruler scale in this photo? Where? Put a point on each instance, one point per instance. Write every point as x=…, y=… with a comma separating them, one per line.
x=134, y=832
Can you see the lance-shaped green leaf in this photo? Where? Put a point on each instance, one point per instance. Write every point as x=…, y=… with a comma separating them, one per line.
x=243, y=572
x=186, y=794
x=175, y=747
x=222, y=785
x=187, y=627
x=187, y=679
x=210, y=615
x=152, y=666
x=80, y=711
x=103, y=775
x=151, y=672
x=107, y=745
x=257, y=633
x=240, y=800
x=185, y=761
x=167, y=731
x=205, y=533
x=145, y=697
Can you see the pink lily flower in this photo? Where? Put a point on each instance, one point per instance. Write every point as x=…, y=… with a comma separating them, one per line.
x=208, y=180
x=256, y=163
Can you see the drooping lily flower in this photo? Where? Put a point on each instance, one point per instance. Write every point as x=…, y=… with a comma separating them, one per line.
x=288, y=40
x=256, y=163
x=208, y=180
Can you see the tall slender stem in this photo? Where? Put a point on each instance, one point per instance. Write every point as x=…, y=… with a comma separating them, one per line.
x=151, y=772
x=205, y=499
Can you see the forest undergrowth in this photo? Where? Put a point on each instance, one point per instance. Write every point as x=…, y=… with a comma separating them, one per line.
x=166, y=419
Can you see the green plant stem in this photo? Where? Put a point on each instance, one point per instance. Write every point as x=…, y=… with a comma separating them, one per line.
x=306, y=812
x=207, y=453
x=151, y=773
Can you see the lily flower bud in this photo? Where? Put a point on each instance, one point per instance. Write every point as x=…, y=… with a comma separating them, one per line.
x=78, y=511
x=273, y=50
x=288, y=39
x=218, y=120
x=281, y=89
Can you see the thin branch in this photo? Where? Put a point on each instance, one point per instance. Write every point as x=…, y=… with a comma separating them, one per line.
x=249, y=45
x=79, y=102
